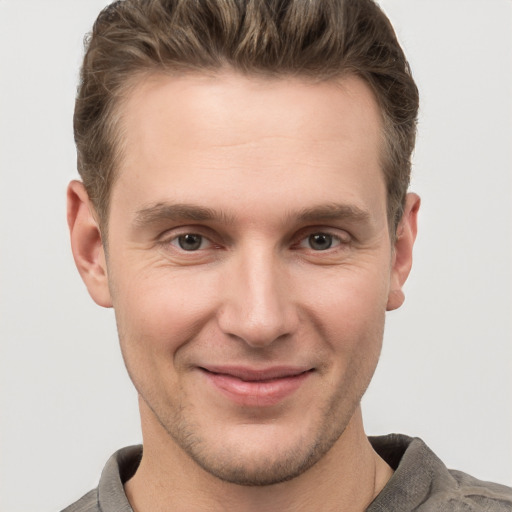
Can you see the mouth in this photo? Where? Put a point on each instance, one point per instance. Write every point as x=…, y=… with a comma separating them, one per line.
x=256, y=387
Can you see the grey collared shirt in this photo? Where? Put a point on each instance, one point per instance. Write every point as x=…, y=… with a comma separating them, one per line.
x=421, y=482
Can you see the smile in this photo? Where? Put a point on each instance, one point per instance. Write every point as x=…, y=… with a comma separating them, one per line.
x=256, y=388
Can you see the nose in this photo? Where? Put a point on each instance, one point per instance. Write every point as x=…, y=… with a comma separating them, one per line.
x=257, y=306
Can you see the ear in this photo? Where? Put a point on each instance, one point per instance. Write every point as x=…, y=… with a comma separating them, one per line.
x=87, y=245
x=402, y=257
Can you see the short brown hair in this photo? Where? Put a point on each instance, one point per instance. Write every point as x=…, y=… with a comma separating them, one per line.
x=318, y=39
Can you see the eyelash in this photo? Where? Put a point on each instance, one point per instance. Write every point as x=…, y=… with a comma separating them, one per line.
x=336, y=240
x=177, y=240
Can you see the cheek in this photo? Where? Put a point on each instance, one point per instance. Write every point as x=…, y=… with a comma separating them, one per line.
x=158, y=312
x=349, y=315
x=155, y=318
x=349, y=298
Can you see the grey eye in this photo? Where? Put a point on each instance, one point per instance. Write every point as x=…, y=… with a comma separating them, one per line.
x=320, y=241
x=190, y=242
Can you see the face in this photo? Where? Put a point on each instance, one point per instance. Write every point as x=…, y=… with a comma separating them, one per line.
x=250, y=265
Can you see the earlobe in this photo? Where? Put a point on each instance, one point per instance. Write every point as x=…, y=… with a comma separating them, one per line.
x=402, y=257
x=86, y=244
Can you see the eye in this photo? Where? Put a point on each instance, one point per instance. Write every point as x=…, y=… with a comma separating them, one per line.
x=190, y=242
x=321, y=241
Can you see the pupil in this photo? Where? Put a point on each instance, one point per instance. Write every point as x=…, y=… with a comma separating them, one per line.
x=190, y=242
x=320, y=242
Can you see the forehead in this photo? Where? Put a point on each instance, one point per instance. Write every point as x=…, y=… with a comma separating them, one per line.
x=206, y=106
x=209, y=138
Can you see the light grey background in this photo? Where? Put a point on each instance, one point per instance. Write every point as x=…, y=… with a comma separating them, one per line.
x=445, y=372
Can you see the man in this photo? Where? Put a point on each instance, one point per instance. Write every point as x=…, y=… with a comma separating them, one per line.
x=244, y=210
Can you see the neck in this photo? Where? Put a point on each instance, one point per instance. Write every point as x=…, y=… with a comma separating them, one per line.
x=347, y=478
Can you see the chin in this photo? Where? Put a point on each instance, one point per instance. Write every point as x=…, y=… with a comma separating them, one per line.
x=258, y=454
x=256, y=468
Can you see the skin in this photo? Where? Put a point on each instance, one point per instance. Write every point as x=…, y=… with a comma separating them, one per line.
x=293, y=267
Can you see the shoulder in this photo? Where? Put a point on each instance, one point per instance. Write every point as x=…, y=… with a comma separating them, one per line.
x=109, y=496
x=421, y=482
x=477, y=495
x=87, y=503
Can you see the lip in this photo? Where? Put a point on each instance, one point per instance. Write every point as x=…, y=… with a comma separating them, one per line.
x=252, y=387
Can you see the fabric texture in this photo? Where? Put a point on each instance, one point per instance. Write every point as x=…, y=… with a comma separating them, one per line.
x=420, y=483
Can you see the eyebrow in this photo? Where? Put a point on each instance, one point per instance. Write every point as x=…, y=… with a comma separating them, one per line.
x=177, y=212
x=160, y=212
x=333, y=211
